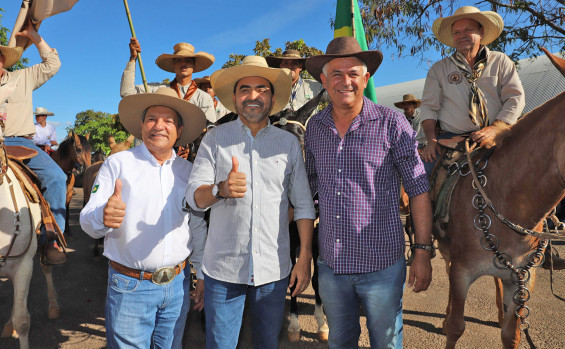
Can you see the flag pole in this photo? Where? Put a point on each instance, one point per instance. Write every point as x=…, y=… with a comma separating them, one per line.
x=139, y=53
x=352, y=18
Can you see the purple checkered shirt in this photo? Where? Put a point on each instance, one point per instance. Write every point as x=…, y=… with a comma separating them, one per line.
x=358, y=183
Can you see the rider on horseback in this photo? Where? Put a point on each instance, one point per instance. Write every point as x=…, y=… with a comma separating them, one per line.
x=19, y=128
x=45, y=135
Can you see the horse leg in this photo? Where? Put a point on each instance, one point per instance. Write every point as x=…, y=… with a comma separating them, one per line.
x=19, y=323
x=53, y=312
x=459, y=283
x=499, y=295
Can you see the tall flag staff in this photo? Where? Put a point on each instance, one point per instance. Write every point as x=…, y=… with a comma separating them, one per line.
x=139, y=53
x=348, y=23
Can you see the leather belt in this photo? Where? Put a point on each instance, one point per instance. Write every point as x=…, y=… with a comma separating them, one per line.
x=26, y=137
x=161, y=276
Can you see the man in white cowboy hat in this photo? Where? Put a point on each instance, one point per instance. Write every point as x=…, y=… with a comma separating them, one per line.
x=19, y=127
x=356, y=154
x=45, y=135
x=474, y=90
x=410, y=105
x=137, y=206
x=183, y=63
x=205, y=85
x=303, y=90
x=250, y=172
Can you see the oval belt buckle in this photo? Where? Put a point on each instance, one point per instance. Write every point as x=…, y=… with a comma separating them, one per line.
x=163, y=276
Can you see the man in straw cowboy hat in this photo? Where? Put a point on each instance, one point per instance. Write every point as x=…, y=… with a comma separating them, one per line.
x=474, y=90
x=45, y=135
x=410, y=105
x=136, y=205
x=183, y=63
x=303, y=90
x=19, y=127
x=205, y=85
x=250, y=172
x=356, y=154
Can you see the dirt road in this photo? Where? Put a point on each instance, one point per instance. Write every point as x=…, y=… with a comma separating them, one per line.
x=81, y=284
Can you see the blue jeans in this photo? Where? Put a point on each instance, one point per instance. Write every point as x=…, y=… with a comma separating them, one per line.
x=53, y=179
x=380, y=293
x=224, y=303
x=140, y=314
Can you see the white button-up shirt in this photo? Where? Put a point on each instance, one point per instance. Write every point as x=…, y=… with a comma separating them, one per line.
x=44, y=135
x=156, y=231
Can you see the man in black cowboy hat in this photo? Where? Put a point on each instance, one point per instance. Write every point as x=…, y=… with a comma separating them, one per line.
x=356, y=154
x=303, y=90
x=410, y=105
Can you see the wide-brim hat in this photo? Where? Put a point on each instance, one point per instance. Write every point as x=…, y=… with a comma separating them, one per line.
x=131, y=108
x=344, y=46
x=12, y=55
x=202, y=80
x=275, y=62
x=408, y=99
x=491, y=21
x=202, y=60
x=42, y=111
x=224, y=80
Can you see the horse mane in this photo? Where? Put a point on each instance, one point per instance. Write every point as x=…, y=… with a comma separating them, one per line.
x=66, y=146
x=85, y=144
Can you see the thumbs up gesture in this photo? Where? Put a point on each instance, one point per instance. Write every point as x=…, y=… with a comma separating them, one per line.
x=236, y=185
x=115, y=209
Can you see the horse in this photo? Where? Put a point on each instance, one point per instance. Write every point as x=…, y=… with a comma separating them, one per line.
x=90, y=175
x=18, y=245
x=524, y=196
x=73, y=153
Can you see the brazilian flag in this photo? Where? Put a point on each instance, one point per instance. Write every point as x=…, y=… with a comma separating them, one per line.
x=343, y=26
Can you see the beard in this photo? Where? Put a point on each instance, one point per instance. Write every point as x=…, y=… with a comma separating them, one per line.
x=255, y=114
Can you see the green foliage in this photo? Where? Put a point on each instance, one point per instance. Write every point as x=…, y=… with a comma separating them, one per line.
x=4, y=37
x=406, y=25
x=100, y=126
x=263, y=48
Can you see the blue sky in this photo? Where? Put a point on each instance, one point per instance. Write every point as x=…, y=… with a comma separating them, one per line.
x=92, y=41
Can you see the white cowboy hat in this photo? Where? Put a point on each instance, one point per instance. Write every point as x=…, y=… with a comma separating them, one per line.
x=42, y=111
x=131, y=108
x=12, y=55
x=491, y=21
x=202, y=60
x=224, y=80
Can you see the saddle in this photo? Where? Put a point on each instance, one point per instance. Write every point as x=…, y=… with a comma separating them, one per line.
x=30, y=184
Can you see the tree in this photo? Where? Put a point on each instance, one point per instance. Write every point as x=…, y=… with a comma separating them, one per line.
x=263, y=48
x=4, y=37
x=100, y=125
x=406, y=25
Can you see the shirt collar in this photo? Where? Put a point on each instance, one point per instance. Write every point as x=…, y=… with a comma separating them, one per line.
x=152, y=160
x=245, y=130
x=368, y=112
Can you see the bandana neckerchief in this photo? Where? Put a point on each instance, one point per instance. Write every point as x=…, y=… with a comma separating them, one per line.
x=477, y=105
x=189, y=92
x=215, y=102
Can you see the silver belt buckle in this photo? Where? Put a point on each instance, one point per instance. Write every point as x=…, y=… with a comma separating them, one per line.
x=163, y=276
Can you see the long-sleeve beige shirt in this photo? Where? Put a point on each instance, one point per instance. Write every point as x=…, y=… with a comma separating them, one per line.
x=446, y=94
x=200, y=99
x=303, y=91
x=19, y=104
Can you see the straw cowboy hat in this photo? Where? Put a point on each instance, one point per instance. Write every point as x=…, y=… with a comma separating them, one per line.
x=42, y=111
x=12, y=55
x=131, y=108
x=491, y=21
x=291, y=54
x=224, y=80
x=202, y=80
x=202, y=60
x=407, y=99
x=344, y=46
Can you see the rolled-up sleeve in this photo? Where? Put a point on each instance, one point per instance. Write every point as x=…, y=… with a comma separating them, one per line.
x=511, y=92
x=299, y=190
x=203, y=170
x=92, y=215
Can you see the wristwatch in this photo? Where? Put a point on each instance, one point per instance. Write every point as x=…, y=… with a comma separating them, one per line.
x=216, y=191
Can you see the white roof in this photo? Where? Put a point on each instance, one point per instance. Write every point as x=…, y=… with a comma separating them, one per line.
x=541, y=81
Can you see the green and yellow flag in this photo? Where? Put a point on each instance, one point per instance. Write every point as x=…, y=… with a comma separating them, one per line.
x=348, y=17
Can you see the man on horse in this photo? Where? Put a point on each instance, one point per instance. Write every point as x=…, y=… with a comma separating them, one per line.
x=183, y=63
x=410, y=105
x=250, y=172
x=19, y=127
x=45, y=135
x=474, y=91
x=356, y=154
x=135, y=205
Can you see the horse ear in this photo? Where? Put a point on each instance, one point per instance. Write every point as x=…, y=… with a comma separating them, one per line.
x=111, y=142
x=77, y=139
x=87, y=136
x=70, y=134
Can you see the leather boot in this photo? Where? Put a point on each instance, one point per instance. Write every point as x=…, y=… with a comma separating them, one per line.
x=53, y=255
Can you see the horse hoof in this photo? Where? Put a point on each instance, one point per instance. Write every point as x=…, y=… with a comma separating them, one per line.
x=294, y=337
x=53, y=313
x=8, y=332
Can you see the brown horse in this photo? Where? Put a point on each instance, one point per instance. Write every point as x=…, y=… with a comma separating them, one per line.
x=524, y=180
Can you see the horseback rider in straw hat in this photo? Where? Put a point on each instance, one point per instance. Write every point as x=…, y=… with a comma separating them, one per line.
x=250, y=172
x=183, y=63
x=45, y=135
x=410, y=105
x=475, y=90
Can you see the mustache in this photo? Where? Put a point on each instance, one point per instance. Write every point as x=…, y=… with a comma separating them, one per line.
x=256, y=101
